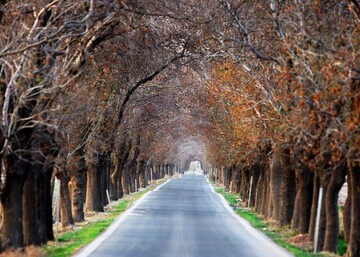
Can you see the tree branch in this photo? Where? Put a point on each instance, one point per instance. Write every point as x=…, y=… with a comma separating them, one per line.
x=245, y=32
x=142, y=82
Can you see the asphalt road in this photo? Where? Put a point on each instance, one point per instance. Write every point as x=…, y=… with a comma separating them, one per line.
x=182, y=218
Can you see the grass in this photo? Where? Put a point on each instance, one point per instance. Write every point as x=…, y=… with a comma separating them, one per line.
x=342, y=247
x=278, y=235
x=233, y=199
x=71, y=241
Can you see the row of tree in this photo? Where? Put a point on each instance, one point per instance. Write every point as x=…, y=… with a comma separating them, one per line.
x=84, y=98
x=98, y=93
x=290, y=117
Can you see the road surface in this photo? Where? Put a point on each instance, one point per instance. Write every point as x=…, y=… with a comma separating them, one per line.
x=184, y=217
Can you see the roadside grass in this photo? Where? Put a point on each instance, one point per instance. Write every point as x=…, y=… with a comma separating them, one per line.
x=278, y=235
x=71, y=241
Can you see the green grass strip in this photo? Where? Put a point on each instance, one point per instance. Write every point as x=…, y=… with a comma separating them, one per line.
x=70, y=242
x=278, y=236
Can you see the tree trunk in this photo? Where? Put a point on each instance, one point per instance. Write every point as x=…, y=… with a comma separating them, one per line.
x=288, y=188
x=296, y=215
x=256, y=176
x=354, y=239
x=113, y=179
x=244, y=183
x=11, y=201
x=276, y=185
x=77, y=173
x=125, y=179
x=103, y=169
x=322, y=228
x=332, y=214
x=119, y=187
x=314, y=203
x=65, y=201
x=45, y=224
x=259, y=191
x=235, y=180
x=303, y=198
x=142, y=170
x=266, y=194
x=93, y=188
x=133, y=172
x=227, y=178
x=30, y=209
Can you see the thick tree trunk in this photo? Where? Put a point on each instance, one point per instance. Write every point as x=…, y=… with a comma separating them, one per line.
x=156, y=172
x=296, y=215
x=332, y=213
x=163, y=171
x=65, y=201
x=314, y=203
x=354, y=239
x=77, y=174
x=255, y=173
x=11, y=201
x=142, y=170
x=323, y=182
x=113, y=179
x=125, y=179
x=93, y=188
x=103, y=166
x=227, y=178
x=133, y=175
x=245, y=184
x=322, y=228
x=119, y=187
x=259, y=191
x=235, y=180
x=276, y=185
x=45, y=224
x=266, y=194
x=303, y=198
x=288, y=188
x=30, y=209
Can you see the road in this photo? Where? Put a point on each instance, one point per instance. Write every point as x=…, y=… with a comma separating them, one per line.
x=184, y=217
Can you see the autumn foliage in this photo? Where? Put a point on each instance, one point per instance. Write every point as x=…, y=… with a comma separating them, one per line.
x=103, y=94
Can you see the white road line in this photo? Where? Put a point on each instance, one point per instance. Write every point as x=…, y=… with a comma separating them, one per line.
x=87, y=250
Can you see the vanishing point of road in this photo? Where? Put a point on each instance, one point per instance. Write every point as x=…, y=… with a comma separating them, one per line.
x=184, y=217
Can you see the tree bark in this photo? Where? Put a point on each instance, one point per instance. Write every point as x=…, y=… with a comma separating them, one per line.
x=332, y=214
x=235, y=180
x=30, y=209
x=266, y=194
x=78, y=184
x=354, y=239
x=125, y=179
x=11, y=201
x=288, y=188
x=276, y=185
x=65, y=201
x=113, y=179
x=45, y=224
x=93, y=187
x=303, y=198
x=227, y=178
x=119, y=187
x=259, y=191
x=133, y=176
x=314, y=203
x=142, y=170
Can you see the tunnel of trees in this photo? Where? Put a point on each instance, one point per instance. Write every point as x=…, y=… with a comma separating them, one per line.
x=100, y=93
